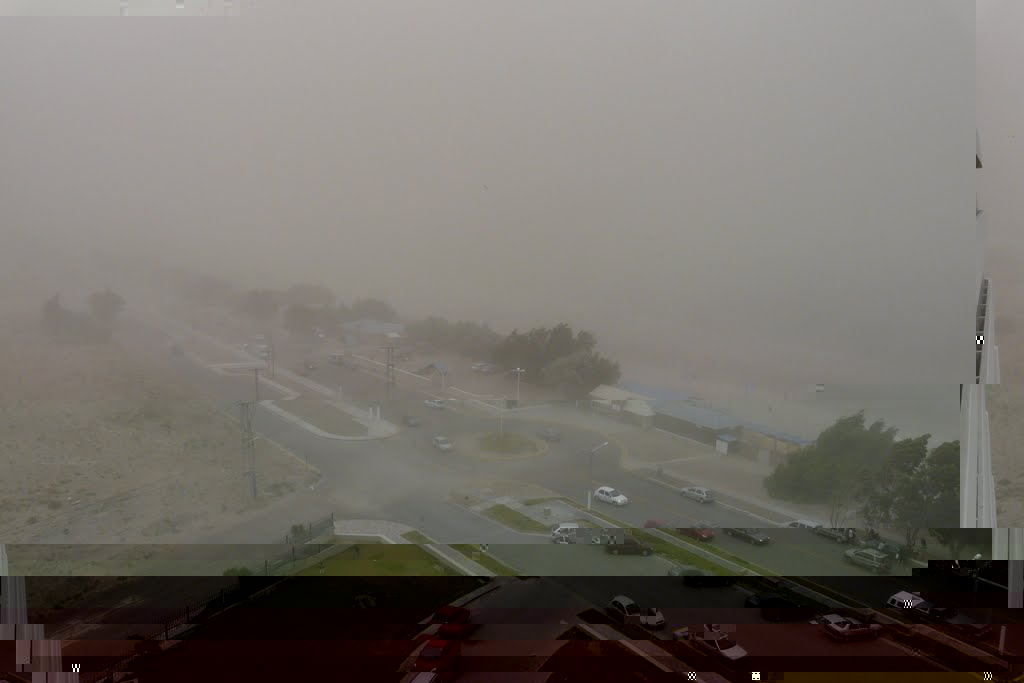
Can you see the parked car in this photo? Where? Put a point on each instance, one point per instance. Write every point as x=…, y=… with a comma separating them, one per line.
x=776, y=608
x=803, y=524
x=846, y=628
x=699, y=578
x=440, y=657
x=565, y=532
x=651, y=617
x=702, y=531
x=655, y=524
x=869, y=559
x=629, y=545
x=434, y=403
x=442, y=443
x=752, y=536
x=609, y=495
x=919, y=607
x=698, y=493
x=624, y=610
x=452, y=623
x=837, y=535
x=550, y=434
x=720, y=644
x=411, y=421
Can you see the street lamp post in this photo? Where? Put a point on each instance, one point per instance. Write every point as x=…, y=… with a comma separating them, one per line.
x=519, y=372
x=590, y=483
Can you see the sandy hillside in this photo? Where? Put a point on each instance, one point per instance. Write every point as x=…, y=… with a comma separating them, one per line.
x=100, y=446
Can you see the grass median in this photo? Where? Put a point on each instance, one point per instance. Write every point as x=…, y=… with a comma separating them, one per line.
x=323, y=415
x=515, y=519
x=662, y=547
x=474, y=553
x=381, y=560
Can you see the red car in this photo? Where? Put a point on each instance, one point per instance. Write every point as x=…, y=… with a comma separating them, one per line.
x=655, y=524
x=450, y=623
x=702, y=531
x=440, y=657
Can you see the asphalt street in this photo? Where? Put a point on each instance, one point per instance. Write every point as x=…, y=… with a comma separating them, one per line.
x=405, y=479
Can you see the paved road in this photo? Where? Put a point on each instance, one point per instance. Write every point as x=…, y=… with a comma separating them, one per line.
x=398, y=478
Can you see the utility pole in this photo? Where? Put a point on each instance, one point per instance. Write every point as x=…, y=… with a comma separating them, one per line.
x=249, y=445
x=256, y=374
x=519, y=373
x=389, y=376
x=590, y=484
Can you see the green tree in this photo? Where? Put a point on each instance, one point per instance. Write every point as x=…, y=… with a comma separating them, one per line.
x=261, y=305
x=844, y=453
x=300, y=319
x=309, y=295
x=374, y=309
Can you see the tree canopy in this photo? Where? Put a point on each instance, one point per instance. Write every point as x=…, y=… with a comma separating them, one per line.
x=553, y=357
x=842, y=456
x=889, y=483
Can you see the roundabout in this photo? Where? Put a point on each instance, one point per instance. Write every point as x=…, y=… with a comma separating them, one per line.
x=496, y=447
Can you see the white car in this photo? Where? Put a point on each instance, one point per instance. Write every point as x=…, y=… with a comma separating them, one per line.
x=628, y=612
x=804, y=524
x=721, y=644
x=698, y=493
x=442, y=443
x=609, y=495
x=435, y=404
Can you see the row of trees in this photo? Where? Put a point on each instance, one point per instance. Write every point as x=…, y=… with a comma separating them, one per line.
x=96, y=326
x=551, y=357
x=299, y=308
x=864, y=470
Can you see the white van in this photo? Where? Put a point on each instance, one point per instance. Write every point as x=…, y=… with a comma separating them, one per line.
x=565, y=532
x=803, y=524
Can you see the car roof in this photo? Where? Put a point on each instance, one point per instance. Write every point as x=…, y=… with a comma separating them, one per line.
x=623, y=599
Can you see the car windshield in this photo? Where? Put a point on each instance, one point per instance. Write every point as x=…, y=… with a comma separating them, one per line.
x=612, y=492
x=431, y=653
x=631, y=608
x=725, y=644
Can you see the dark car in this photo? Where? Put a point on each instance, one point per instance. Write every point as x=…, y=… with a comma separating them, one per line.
x=628, y=545
x=550, y=434
x=698, y=578
x=777, y=608
x=655, y=524
x=752, y=536
x=410, y=421
x=702, y=531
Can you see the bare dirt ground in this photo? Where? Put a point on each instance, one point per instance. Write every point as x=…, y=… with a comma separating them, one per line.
x=100, y=446
x=1006, y=401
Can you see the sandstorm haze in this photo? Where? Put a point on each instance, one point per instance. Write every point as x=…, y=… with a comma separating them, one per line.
x=745, y=192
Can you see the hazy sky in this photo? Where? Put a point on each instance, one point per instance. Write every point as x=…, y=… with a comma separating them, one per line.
x=764, y=192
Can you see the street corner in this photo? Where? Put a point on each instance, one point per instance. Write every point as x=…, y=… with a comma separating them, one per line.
x=471, y=445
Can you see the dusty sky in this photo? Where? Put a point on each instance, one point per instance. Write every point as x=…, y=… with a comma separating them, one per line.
x=775, y=193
